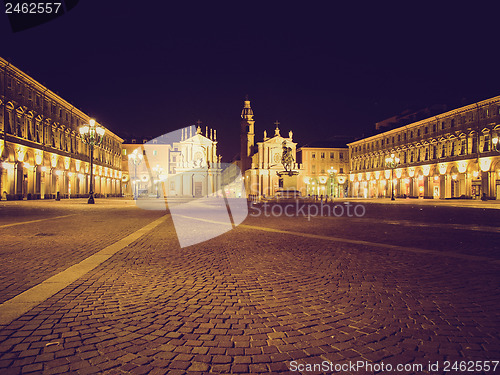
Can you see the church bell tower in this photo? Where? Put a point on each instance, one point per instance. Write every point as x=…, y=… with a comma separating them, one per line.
x=247, y=136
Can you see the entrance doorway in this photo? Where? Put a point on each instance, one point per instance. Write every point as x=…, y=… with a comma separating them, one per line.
x=198, y=189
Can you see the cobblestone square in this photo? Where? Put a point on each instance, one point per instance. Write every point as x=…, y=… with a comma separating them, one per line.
x=408, y=284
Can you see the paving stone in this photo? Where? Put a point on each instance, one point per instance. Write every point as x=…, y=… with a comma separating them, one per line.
x=250, y=301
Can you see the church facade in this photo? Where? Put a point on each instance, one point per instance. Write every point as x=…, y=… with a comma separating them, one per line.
x=183, y=163
x=269, y=167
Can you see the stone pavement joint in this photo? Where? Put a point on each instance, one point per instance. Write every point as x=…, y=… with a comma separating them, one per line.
x=22, y=303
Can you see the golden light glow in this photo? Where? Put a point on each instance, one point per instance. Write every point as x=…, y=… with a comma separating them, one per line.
x=484, y=164
x=27, y=165
x=322, y=179
x=58, y=172
x=426, y=169
x=77, y=165
x=351, y=177
x=411, y=172
x=442, y=168
x=462, y=166
x=70, y=174
x=387, y=174
x=66, y=163
x=20, y=152
x=398, y=173
x=436, y=178
x=341, y=179
x=454, y=176
x=368, y=175
x=475, y=174
x=53, y=161
x=377, y=175
x=38, y=157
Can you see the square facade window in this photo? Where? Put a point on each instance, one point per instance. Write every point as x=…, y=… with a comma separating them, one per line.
x=322, y=155
x=341, y=155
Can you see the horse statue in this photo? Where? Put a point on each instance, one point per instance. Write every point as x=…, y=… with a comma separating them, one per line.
x=287, y=157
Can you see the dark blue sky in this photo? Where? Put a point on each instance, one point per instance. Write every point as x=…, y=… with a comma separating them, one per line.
x=321, y=69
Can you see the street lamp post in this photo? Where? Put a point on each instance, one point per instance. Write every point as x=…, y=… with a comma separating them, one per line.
x=136, y=158
x=158, y=171
x=392, y=162
x=93, y=135
x=332, y=174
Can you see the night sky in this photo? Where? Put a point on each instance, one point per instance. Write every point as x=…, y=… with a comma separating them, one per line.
x=150, y=67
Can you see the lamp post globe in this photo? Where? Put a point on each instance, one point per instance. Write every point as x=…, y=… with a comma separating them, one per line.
x=93, y=135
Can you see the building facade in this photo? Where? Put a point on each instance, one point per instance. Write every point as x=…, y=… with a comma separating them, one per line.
x=449, y=155
x=184, y=163
x=325, y=169
x=262, y=165
x=42, y=154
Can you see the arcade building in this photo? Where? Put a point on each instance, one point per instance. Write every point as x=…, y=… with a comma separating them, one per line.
x=450, y=155
x=42, y=154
